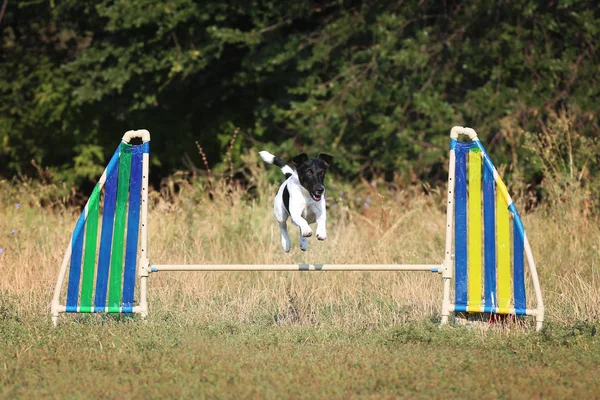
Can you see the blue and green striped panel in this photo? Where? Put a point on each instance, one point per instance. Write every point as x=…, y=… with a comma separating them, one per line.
x=121, y=215
x=77, y=243
x=108, y=219
x=118, y=245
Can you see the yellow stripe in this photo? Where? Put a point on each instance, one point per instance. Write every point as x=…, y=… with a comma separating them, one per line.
x=502, y=223
x=501, y=187
x=475, y=232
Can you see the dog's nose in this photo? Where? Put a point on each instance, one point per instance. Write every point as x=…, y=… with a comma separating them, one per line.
x=320, y=190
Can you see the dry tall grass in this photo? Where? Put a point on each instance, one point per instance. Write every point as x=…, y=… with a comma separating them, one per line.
x=366, y=225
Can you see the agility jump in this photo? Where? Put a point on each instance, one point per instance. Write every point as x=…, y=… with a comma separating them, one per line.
x=486, y=259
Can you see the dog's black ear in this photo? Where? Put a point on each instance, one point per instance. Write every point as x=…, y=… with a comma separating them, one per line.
x=299, y=159
x=327, y=159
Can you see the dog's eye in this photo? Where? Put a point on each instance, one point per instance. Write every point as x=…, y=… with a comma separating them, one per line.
x=309, y=173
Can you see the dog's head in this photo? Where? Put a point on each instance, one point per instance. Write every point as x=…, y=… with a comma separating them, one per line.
x=311, y=173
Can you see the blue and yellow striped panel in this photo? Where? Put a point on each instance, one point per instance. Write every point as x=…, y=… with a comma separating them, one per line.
x=486, y=276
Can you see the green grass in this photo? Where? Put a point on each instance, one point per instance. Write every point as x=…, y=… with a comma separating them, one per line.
x=168, y=358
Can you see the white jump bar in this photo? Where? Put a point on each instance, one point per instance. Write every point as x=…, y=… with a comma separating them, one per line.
x=296, y=267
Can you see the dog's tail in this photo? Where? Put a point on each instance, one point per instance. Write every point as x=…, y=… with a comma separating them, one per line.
x=278, y=162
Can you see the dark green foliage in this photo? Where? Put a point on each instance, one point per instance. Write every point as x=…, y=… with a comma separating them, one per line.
x=378, y=84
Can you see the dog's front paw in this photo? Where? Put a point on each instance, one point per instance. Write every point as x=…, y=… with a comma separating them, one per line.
x=307, y=232
x=303, y=244
x=321, y=235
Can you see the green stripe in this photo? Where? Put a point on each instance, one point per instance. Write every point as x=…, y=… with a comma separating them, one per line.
x=89, y=258
x=116, y=262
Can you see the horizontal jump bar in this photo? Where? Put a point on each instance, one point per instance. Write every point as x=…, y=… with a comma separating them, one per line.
x=295, y=267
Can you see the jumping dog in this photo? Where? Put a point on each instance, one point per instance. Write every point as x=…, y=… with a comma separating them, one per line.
x=301, y=196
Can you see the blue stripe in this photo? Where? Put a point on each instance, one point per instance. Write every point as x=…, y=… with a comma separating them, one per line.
x=75, y=268
x=519, y=262
x=133, y=221
x=489, y=228
x=108, y=220
x=486, y=309
x=452, y=144
x=146, y=147
x=460, y=224
x=517, y=218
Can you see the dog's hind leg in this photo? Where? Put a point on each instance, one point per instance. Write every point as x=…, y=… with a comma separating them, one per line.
x=286, y=243
x=281, y=215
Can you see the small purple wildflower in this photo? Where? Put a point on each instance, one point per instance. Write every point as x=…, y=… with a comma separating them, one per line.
x=359, y=198
x=368, y=200
x=13, y=231
x=1, y=250
x=366, y=206
x=373, y=184
x=18, y=205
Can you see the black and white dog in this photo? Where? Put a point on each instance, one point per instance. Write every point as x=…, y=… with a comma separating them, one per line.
x=301, y=196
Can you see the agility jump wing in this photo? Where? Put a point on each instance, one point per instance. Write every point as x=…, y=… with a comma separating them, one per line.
x=489, y=267
x=102, y=258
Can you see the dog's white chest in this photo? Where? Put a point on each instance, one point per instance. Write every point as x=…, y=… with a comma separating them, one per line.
x=309, y=215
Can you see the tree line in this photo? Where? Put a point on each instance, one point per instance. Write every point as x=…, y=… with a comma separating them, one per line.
x=377, y=84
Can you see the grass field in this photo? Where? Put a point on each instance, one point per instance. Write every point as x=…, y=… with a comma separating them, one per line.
x=294, y=335
x=172, y=358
